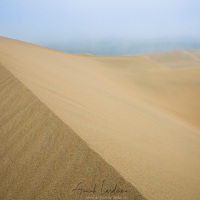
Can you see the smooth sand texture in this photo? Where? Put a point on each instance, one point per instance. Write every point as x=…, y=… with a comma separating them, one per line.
x=41, y=157
x=141, y=114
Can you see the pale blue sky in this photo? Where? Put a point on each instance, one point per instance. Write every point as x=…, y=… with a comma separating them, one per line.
x=56, y=22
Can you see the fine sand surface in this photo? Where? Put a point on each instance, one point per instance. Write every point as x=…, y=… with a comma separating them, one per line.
x=141, y=114
x=42, y=158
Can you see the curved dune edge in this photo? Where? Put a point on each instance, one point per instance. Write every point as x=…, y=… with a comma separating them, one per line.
x=117, y=105
x=42, y=158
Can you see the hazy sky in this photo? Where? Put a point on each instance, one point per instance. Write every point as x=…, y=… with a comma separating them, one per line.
x=44, y=21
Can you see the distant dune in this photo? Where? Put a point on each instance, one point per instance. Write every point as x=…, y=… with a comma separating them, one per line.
x=133, y=121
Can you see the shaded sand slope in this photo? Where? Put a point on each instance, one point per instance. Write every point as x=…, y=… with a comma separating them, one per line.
x=119, y=106
x=41, y=157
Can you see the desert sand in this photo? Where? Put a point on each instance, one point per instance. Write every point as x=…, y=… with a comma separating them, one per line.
x=67, y=117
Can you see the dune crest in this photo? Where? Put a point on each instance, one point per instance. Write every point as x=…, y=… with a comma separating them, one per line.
x=138, y=112
x=42, y=158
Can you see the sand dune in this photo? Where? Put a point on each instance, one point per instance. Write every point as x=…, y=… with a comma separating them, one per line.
x=139, y=113
x=41, y=157
x=162, y=83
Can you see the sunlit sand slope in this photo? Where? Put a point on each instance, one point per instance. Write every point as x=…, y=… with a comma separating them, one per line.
x=168, y=80
x=42, y=158
x=140, y=114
